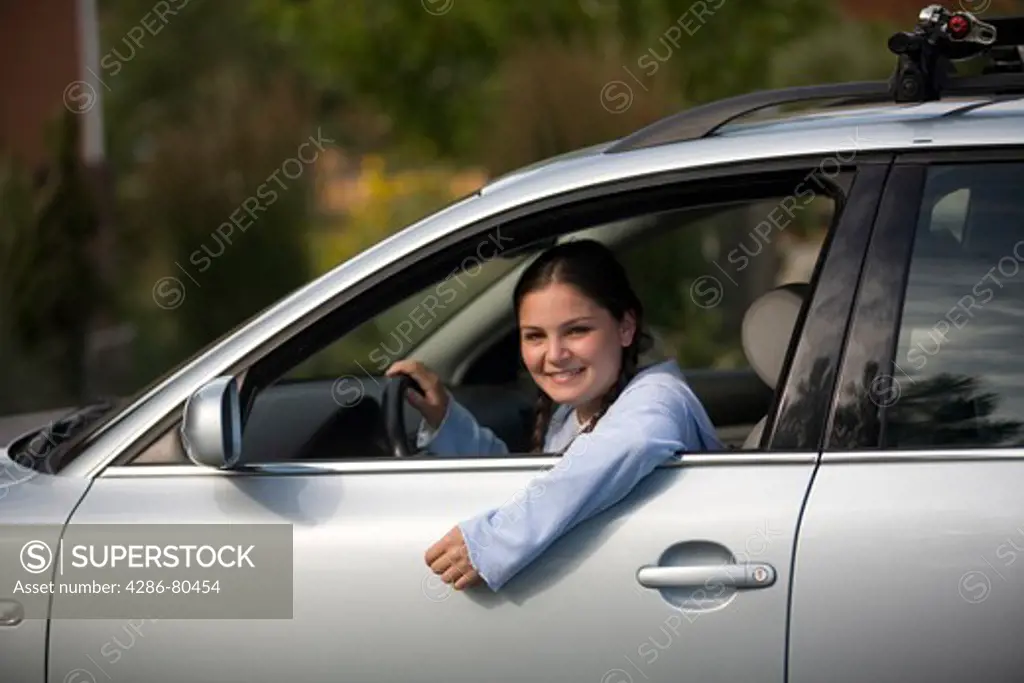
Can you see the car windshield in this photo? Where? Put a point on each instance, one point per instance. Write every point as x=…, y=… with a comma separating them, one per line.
x=58, y=440
x=38, y=449
x=51, y=444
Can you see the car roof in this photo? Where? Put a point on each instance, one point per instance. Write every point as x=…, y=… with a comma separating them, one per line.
x=938, y=113
x=949, y=122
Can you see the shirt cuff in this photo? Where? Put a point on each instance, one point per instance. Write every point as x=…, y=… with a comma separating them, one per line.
x=477, y=537
x=449, y=435
x=426, y=434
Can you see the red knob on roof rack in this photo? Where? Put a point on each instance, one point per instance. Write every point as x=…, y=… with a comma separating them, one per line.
x=959, y=27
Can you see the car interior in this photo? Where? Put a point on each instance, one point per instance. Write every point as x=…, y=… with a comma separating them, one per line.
x=737, y=401
x=477, y=353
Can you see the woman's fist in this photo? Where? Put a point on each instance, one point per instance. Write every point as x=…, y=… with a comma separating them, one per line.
x=433, y=404
x=449, y=559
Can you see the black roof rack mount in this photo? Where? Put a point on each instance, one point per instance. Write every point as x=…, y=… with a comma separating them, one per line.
x=924, y=72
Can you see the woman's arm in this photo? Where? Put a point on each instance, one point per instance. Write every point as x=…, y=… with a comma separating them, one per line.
x=459, y=435
x=647, y=426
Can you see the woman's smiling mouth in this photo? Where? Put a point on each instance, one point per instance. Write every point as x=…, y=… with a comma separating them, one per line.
x=565, y=376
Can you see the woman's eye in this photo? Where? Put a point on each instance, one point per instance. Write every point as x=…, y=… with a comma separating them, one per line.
x=578, y=330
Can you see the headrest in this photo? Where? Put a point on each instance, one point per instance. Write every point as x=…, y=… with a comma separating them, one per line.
x=768, y=327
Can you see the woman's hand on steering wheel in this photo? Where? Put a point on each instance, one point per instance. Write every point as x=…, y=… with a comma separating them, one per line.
x=433, y=404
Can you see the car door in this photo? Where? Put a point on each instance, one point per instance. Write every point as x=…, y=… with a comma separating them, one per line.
x=687, y=579
x=906, y=563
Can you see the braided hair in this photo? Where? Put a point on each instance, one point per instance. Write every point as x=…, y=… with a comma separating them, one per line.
x=593, y=269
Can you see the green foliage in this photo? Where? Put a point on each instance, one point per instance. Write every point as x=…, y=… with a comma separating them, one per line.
x=831, y=54
x=157, y=79
x=215, y=206
x=662, y=273
x=435, y=75
x=200, y=112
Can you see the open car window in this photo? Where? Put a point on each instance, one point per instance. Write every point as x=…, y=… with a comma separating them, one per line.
x=396, y=332
x=698, y=262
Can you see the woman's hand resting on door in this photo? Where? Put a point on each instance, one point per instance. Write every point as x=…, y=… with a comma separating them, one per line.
x=449, y=559
x=433, y=405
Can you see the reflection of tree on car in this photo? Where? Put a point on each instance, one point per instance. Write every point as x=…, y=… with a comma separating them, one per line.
x=947, y=411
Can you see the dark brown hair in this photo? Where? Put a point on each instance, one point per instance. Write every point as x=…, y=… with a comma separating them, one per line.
x=593, y=269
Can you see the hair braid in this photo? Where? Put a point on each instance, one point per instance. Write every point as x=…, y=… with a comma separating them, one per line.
x=544, y=408
x=630, y=362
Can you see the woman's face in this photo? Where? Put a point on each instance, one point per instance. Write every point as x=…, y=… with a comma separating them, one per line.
x=571, y=345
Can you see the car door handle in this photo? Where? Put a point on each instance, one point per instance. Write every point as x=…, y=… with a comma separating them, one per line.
x=11, y=612
x=744, y=575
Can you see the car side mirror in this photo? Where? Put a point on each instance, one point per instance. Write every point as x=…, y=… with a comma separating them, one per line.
x=211, y=425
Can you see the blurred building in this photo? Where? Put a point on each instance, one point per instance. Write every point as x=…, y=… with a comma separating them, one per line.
x=48, y=48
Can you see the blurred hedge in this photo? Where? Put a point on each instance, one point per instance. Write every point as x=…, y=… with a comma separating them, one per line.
x=208, y=205
x=50, y=291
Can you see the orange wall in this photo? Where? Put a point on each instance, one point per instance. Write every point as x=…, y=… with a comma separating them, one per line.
x=39, y=54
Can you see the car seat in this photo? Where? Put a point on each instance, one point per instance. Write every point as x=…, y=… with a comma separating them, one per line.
x=766, y=333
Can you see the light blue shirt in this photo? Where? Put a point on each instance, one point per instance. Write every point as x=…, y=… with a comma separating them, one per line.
x=655, y=418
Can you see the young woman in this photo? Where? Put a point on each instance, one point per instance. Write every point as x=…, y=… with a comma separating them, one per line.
x=581, y=333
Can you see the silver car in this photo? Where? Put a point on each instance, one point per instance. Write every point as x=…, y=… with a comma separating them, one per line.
x=863, y=524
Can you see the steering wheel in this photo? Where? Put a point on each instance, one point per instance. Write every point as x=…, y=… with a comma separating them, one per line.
x=394, y=402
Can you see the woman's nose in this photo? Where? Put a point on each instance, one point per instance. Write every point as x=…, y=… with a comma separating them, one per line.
x=557, y=350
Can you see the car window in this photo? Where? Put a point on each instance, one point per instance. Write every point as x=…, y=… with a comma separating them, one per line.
x=696, y=269
x=397, y=331
x=700, y=270
x=959, y=375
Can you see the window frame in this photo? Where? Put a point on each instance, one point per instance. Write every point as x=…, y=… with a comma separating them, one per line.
x=871, y=345
x=265, y=362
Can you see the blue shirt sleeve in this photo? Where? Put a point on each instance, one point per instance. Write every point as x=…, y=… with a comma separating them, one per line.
x=646, y=426
x=459, y=435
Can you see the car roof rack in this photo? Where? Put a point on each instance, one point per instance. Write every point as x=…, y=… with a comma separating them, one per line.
x=924, y=72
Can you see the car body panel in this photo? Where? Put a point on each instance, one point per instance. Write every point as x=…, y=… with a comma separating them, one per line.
x=905, y=569
x=44, y=503
x=906, y=559
x=367, y=608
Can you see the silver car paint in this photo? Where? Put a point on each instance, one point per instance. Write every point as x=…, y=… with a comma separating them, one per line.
x=906, y=569
x=368, y=628
x=367, y=609
x=27, y=498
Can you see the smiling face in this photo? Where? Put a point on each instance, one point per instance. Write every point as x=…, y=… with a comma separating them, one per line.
x=571, y=345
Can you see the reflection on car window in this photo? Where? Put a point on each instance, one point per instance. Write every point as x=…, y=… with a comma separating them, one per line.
x=959, y=374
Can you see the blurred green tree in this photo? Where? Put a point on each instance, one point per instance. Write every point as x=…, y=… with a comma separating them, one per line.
x=488, y=82
x=224, y=199
x=203, y=109
x=434, y=67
